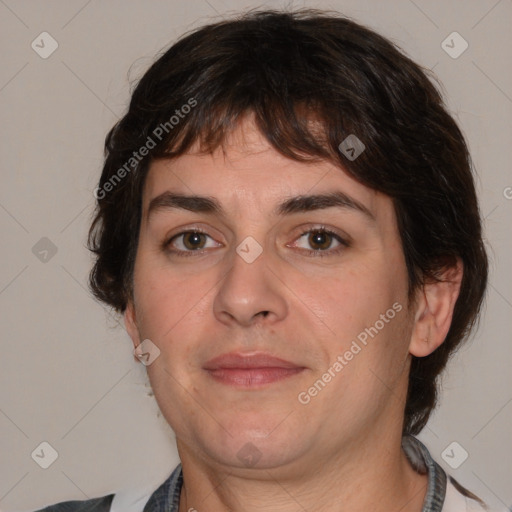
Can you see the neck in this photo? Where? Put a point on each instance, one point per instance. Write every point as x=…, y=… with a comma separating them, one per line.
x=369, y=474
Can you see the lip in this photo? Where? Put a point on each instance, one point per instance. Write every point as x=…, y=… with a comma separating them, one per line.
x=247, y=360
x=250, y=370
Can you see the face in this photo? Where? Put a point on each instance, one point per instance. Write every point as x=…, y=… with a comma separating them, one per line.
x=319, y=284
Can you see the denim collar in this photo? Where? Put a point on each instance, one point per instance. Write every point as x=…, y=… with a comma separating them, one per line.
x=167, y=497
x=421, y=460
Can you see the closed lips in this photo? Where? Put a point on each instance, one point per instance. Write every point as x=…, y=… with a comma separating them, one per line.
x=240, y=361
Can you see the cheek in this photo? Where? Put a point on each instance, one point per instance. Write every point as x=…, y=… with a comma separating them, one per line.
x=352, y=298
x=367, y=305
x=166, y=299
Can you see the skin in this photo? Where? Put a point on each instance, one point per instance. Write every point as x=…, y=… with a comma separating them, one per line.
x=341, y=451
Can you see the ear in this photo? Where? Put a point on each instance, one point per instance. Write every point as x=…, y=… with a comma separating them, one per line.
x=434, y=311
x=130, y=323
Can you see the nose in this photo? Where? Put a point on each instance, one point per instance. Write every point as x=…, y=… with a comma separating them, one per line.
x=250, y=293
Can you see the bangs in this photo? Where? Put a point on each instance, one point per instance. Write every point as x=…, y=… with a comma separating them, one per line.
x=298, y=133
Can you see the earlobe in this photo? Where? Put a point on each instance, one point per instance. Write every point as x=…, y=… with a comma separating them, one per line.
x=131, y=324
x=434, y=311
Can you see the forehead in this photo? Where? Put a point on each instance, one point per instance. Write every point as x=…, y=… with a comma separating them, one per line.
x=247, y=173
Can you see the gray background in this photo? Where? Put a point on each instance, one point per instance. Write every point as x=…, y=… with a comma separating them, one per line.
x=67, y=372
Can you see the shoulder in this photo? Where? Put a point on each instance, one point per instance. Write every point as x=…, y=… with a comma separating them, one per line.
x=94, y=505
x=165, y=498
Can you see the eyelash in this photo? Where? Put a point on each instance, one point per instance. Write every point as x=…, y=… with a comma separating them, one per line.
x=311, y=252
x=326, y=252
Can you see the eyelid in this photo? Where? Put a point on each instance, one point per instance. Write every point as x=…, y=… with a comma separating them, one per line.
x=343, y=240
x=184, y=231
x=193, y=228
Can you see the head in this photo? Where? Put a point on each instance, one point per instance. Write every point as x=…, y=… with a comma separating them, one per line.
x=250, y=113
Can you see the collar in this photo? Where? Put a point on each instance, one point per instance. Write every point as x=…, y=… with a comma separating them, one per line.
x=421, y=460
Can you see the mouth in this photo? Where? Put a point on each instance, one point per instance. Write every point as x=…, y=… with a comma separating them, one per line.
x=250, y=370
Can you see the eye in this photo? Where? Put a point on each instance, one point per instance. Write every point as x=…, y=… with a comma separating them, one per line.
x=188, y=242
x=195, y=242
x=322, y=239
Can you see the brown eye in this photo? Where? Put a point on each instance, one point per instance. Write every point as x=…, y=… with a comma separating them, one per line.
x=188, y=243
x=320, y=240
x=193, y=240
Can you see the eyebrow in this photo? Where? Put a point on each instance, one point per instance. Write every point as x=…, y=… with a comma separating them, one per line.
x=297, y=204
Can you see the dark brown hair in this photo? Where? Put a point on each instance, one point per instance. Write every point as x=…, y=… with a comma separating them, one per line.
x=288, y=68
